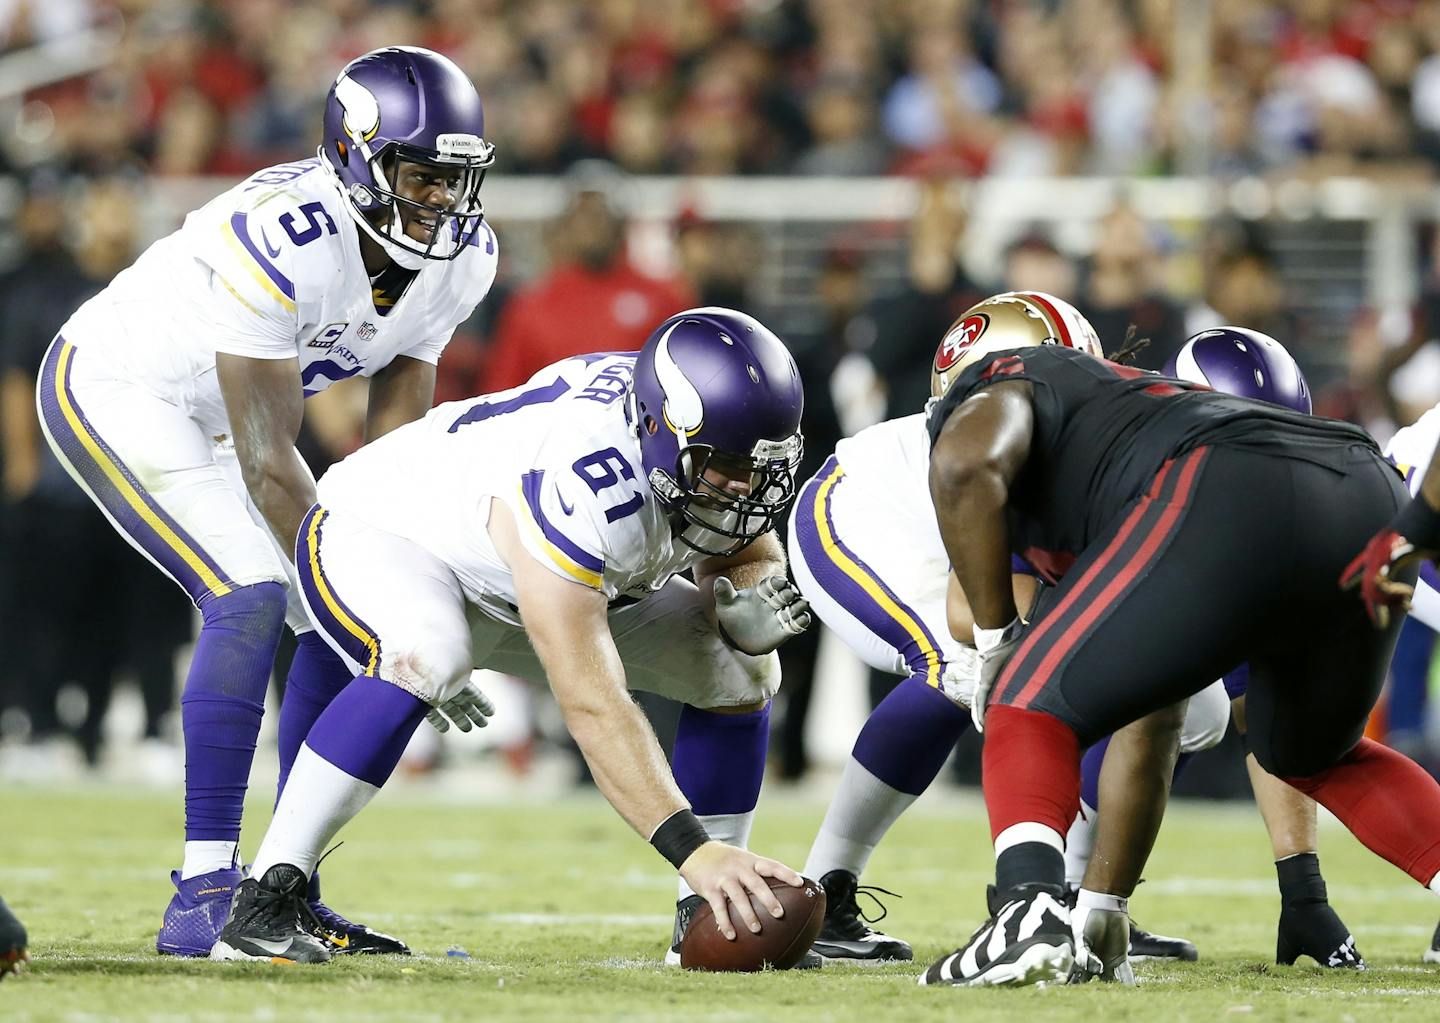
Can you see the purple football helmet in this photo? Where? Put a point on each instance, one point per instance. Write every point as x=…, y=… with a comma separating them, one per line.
x=714, y=388
x=1243, y=362
x=406, y=103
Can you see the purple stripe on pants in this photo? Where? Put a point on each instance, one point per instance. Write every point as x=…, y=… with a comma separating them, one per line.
x=73, y=450
x=840, y=574
x=357, y=639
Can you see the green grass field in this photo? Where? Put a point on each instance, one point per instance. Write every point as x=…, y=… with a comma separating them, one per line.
x=564, y=915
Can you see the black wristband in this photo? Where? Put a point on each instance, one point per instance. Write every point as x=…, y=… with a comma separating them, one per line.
x=1419, y=523
x=678, y=836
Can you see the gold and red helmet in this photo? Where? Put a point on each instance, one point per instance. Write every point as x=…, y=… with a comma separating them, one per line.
x=1016, y=319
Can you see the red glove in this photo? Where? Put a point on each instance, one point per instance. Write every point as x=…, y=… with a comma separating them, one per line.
x=1371, y=569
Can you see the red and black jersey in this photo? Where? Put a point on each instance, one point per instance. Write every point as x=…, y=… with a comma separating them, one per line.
x=1102, y=431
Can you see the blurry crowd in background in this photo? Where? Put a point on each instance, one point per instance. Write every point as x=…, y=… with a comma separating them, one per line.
x=596, y=92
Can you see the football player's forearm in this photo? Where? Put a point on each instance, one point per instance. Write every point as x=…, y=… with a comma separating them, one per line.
x=761, y=560
x=282, y=489
x=971, y=513
x=1430, y=484
x=626, y=760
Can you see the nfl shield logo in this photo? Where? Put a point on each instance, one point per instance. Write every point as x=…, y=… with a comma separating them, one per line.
x=365, y=331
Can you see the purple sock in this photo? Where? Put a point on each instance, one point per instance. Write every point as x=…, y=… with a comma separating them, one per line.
x=366, y=728
x=719, y=759
x=909, y=735
x=316, y=675
x=222, y=703
x=1090, y=765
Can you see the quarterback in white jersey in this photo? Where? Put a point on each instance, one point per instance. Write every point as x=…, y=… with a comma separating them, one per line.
x=540, y=532
x=174, y=398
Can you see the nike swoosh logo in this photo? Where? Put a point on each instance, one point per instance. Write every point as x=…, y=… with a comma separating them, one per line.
x=268, y=248
x=273, y=947
x=568, y=509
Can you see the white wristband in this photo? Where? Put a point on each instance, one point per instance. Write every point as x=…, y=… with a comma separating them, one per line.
x=988, y=639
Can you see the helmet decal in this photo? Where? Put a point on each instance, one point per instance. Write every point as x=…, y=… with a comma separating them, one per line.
x=362, y=110
x=683, y=410
x=959, y=340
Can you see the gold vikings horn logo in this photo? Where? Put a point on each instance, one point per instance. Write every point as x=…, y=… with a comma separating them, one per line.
x=959, y=340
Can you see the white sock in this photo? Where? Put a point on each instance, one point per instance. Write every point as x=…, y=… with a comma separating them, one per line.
x=1028, y=831
x=861, y=811
x=1080, y=843
x=319, y=799
x=1434, y=884
x=206, y=857
x=730, y=828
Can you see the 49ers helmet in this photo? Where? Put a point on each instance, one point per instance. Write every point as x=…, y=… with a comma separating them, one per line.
x=1016, y=319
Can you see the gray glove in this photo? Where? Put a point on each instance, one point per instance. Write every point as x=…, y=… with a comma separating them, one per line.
x=469, y=708
x=758, y=619
x=994, y=647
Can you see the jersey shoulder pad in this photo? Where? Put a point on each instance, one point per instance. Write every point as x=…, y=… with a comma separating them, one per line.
x=586, y=503
x=278, y=247
x=472, y=273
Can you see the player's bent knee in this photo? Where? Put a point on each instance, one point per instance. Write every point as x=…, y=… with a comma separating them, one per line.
x=434, y=672
x=257, y=609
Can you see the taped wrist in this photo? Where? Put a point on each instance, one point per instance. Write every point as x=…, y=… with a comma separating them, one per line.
x=678, y=836
x=1419, y=523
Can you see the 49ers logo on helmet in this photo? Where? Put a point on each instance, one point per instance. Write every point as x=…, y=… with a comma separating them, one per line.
x=960, y=339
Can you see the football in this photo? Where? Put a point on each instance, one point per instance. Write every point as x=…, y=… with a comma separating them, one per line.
x=779, y=945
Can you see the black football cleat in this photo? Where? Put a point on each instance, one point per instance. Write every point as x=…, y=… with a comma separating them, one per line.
x=271, y=921
x=344, y=937
x=14, y=942
x=1026, y=941
x=685, y=911
x=1314, y=929
x=846, y=936
x=1145, y=946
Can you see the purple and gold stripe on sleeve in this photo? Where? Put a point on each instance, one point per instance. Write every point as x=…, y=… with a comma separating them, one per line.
x=574, y=560
x=117, y=490
x=260, y=266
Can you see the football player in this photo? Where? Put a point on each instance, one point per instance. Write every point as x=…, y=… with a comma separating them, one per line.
x=175, y=395
x=14, y=952
x=1190, y=531
x=1413, y=450
x=541, y=532
x=888, y=602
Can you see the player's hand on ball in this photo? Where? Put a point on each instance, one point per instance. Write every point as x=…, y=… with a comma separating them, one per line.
x=469, y=708
x=759, y=618
x=720, y=873
x=1371, y=571
x=994, y=648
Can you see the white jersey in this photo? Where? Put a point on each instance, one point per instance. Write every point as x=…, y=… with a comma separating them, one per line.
x=270, y=269
x=1411, y=448
x=559, y=451
x=891, y=463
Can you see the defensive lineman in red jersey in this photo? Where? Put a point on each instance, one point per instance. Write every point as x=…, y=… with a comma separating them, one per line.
x=1187, y=531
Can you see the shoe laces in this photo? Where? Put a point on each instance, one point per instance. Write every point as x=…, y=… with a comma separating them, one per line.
x=849, y=912
x=275, y=908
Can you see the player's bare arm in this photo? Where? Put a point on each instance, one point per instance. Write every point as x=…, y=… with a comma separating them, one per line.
x=266, y=404
x=978, y=454
x=961, y=620
x=568, y=627
x=400, y=393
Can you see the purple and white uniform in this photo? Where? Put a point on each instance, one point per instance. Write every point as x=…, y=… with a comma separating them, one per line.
x=1411, y=450
x=399, y=572
x=270, y=269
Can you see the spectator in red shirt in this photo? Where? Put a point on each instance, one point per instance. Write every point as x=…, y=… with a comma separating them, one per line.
x=593, y=300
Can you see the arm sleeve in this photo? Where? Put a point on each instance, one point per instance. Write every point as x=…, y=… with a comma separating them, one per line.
x=253, y=306
x=559, y=528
